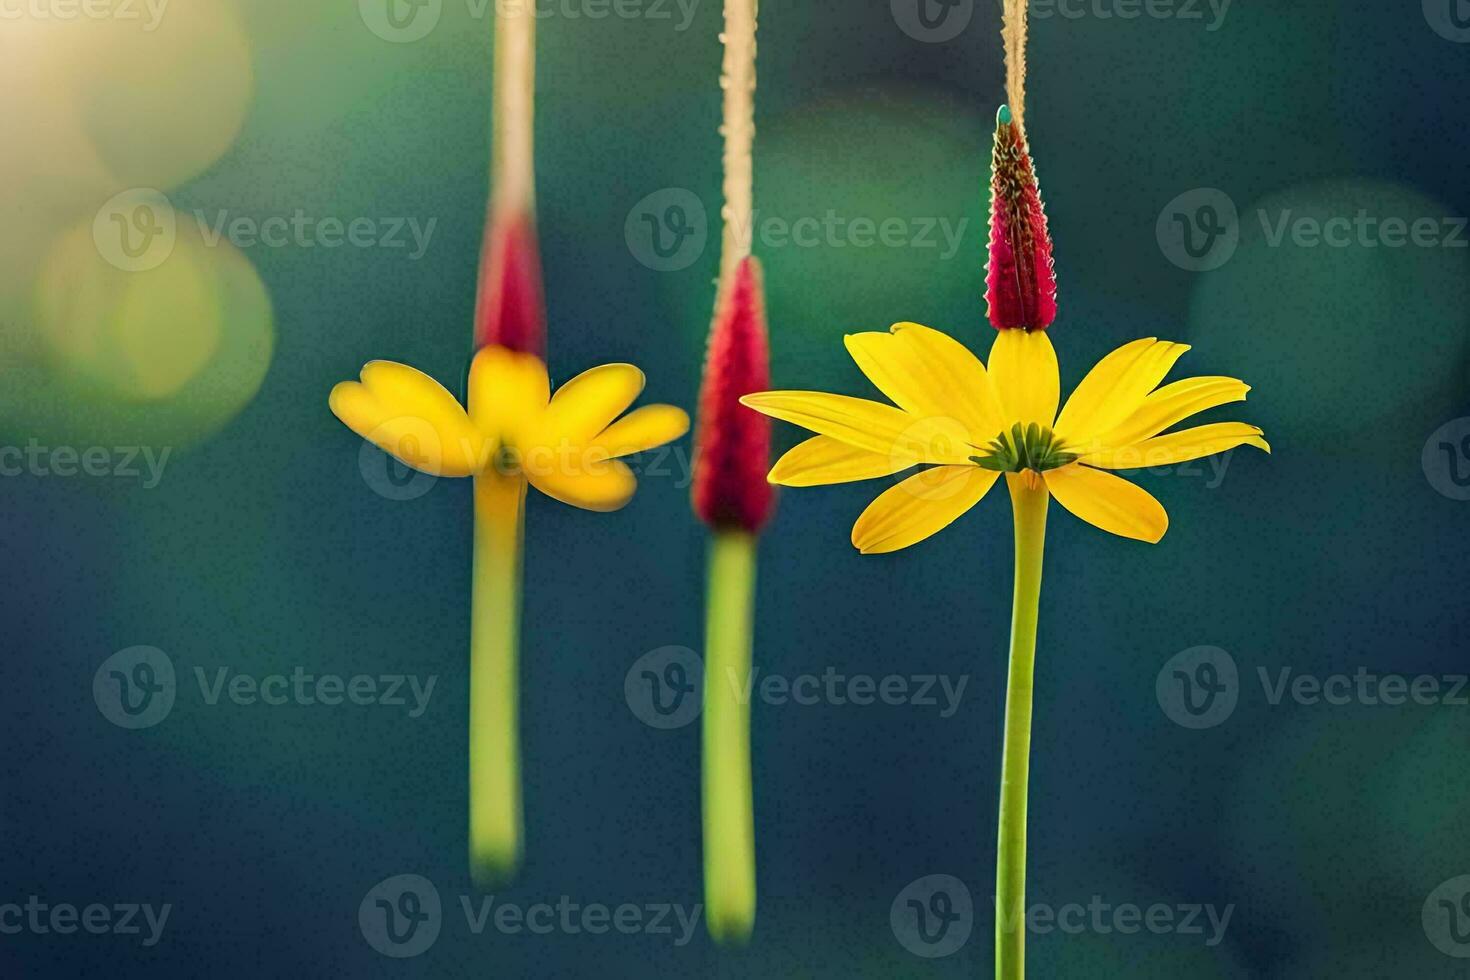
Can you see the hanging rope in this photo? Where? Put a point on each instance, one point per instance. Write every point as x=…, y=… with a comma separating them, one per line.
x=1013, y=33
x=737, y=78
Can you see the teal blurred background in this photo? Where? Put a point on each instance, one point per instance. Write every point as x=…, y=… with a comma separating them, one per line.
x=263, y=540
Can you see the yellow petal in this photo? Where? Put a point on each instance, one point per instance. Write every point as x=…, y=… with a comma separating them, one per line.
x=1179, y=447
x=643, y=428
x=580, y=478
x=1166, y=407
x=924, y=504
x=929, y=374
x=1023, y=368
x=1115, y=388
x=412, y=417
x=508, y=392
x=1109, y=502
x=869, y=425
x=588, y=403
x=822, y=460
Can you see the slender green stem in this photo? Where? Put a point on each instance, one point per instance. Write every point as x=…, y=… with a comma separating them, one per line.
x=729, y=817
x=495, y=757
x=1029, y=502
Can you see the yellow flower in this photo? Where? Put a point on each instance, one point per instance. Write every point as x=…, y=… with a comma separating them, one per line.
x=969, y=425
x=566, y=445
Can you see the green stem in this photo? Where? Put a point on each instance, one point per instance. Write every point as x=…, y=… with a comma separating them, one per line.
x=495, y=759
x=729, y=818
x=1029, y=502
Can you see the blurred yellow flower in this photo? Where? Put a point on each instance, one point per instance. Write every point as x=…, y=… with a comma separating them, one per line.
x=970, y=425
x=566, y=445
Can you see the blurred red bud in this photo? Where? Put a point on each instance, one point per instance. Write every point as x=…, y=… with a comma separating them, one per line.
x=733, y=447
x=510, y=309
x=1020, y=281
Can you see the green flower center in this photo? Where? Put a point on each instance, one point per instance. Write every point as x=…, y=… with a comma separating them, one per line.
x=1031, y=447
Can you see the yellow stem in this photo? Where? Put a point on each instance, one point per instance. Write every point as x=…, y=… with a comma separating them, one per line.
x=495, y=762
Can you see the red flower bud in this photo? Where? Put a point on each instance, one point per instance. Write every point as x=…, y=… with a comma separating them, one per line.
x=510, y=309
x=1020, y=281
x=733, y=448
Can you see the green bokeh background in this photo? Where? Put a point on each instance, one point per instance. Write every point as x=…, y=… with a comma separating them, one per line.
x=263, y=547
